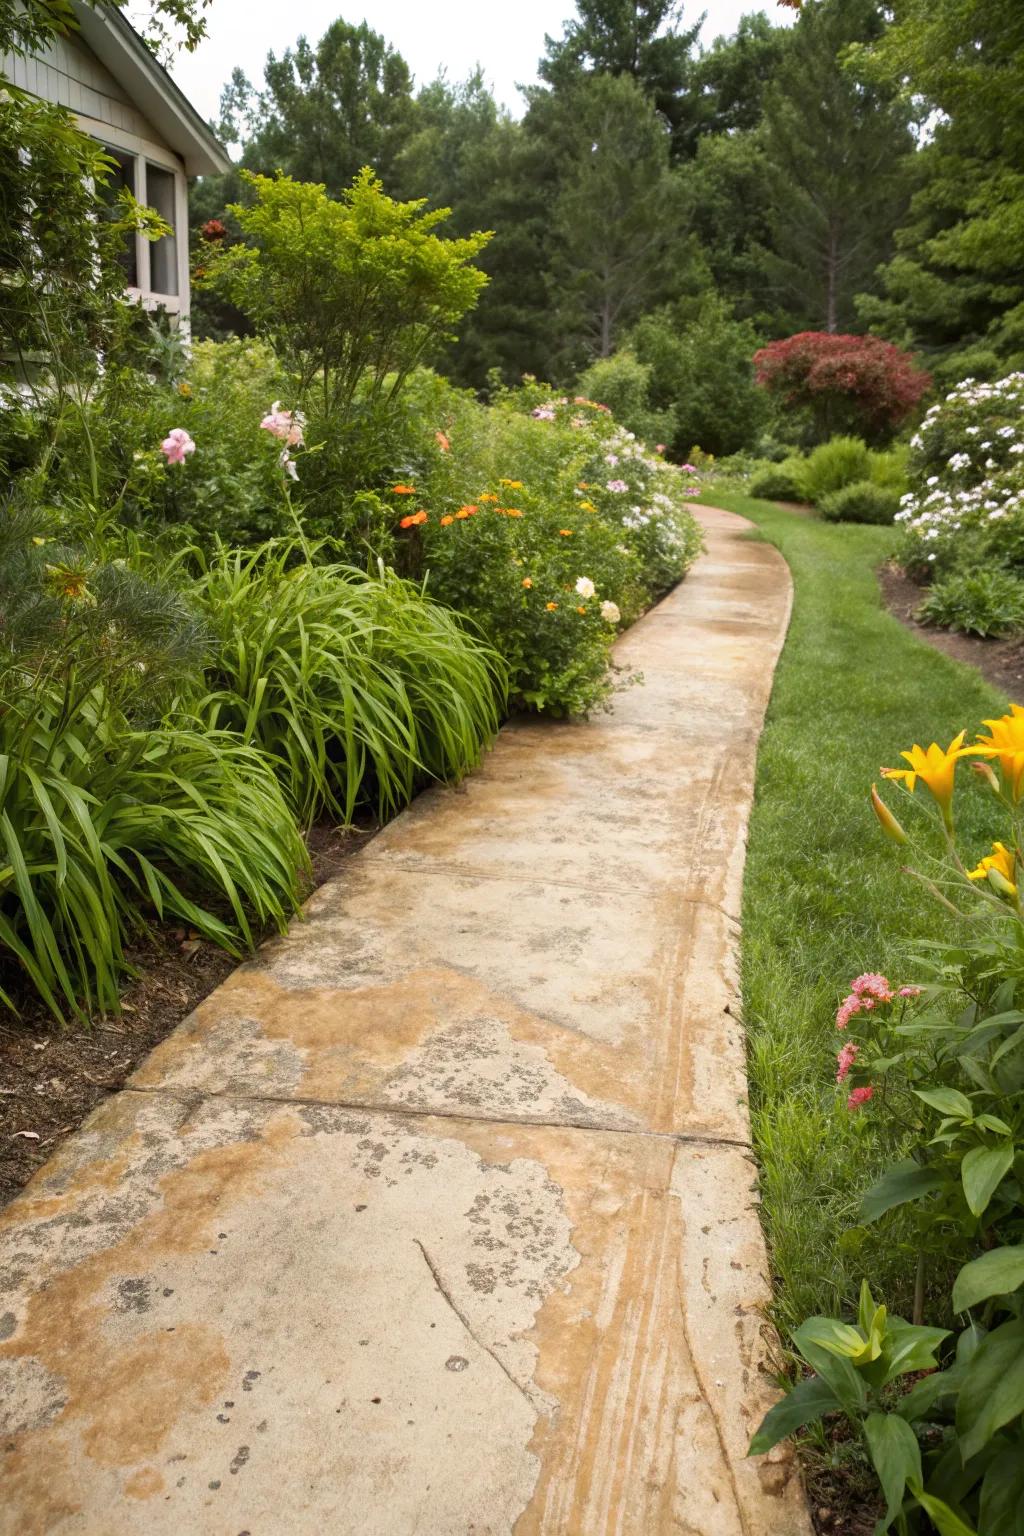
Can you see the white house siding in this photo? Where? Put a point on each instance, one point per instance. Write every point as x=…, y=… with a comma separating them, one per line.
x=68, y=73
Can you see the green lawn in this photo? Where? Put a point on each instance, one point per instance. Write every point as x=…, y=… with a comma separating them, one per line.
x=825, y=898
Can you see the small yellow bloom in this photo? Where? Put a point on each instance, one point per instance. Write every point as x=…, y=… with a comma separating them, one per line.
x=587, y=506
x=185, y=389
x=1006, y=741
x=551, y=607
x=487, y=496
x=513, y=485
x=1002, y=862
x=527, y=583
x=935, y=768
x=581, y=610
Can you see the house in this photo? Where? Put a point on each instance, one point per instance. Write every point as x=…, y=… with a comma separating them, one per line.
x=105, y=74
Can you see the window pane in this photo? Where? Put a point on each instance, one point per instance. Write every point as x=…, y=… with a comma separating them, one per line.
x=160, y=189
x=122, y=176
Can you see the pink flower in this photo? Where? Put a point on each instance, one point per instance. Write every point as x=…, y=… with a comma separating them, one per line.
x=871, y=984
x=909, y=992
x=690, y=469
x=846, y=1058
x=542, y=413
x=611, y=458
x=659, y=447
x=177, y=445
x=617, y=485
x=848, y=1008
x=860, y=1096
x=692, y=490
x=287, y=425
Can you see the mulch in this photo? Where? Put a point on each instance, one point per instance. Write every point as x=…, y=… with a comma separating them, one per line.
x=1000, y=662
x=53, y=1075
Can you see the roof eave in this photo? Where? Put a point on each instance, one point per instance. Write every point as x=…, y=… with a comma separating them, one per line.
x=120, y=49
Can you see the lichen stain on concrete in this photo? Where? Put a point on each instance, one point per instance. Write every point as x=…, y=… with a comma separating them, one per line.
x=123, y=1397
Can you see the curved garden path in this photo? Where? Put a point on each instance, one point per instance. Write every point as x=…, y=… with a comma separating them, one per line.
x=439, y=1217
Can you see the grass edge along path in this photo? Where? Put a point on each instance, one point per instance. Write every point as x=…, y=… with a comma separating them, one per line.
x=825, y=898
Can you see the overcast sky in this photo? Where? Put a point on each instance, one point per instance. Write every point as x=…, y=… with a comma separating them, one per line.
x=505, y=36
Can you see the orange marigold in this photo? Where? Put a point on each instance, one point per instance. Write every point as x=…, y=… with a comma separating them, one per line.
x=581, y=610
x=488, y=496
x=527, y=582
x=510, y=511
x=565, y=533
x=415, y=520
x=442, y=441
x=466, y=511
x=446, y=520
x=551, y=607
x=403, y=490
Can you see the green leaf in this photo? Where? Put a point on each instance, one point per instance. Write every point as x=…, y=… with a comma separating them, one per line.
x=982, y=1171
x=948, y=1101
x=838, y=1338
x=809, y=1400
x=909, y=1347
x=993, y=1388
x=896, y=1457
x=945, y=1521
x=1001, y=1512
x=923, y=1396
x=838, y=1371
x=903, y=1182
x=994, y=1274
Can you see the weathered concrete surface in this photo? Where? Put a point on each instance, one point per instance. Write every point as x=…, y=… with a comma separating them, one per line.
x=439, y=1218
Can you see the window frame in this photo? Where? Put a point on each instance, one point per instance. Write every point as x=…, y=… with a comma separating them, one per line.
x=144, y=152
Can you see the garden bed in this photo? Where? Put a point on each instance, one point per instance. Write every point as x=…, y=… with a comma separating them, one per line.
x=53, y=1077
x=1000, y=662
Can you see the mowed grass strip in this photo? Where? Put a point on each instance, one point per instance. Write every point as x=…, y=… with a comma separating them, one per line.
x=825, y=898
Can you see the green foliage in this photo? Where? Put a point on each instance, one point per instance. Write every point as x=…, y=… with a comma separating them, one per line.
x=356, y=689
x=863, y=501
x=108, y=814
x=988, y=603
x=840, y=462
x=701, y=372
x=891, y=469
x=780, y=482
x=623, y=384
x=351, y=294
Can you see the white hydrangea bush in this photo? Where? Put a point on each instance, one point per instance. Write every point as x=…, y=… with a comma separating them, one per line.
x=965, y=508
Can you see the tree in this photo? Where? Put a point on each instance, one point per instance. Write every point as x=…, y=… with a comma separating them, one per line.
x=838, y=153
x=351, y=293
x=730, y=80
x=326, y=112
x=639, y=38
x=28, y=25
x=619, y=219
x=847, y=383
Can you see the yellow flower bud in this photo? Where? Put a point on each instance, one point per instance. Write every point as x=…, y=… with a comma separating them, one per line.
x=890, y=826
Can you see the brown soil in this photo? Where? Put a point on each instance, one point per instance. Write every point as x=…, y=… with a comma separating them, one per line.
x=1000, y=662
x=51, y=1075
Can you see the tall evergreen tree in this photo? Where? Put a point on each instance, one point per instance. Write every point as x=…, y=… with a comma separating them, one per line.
x=838, y=153
x=641, y=38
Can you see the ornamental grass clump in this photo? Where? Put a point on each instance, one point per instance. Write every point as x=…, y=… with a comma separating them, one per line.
x=358, y=688
x=938, y=1066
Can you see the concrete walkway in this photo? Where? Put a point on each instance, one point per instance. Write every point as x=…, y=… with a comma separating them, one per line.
x=439, y=1217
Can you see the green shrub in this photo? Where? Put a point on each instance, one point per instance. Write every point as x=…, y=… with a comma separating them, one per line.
x=532, y=497
x=989, y=603
x=108, y=813
x=623, y=384
x=861, y=502
x=780, y=482
x=357, y=688
x=891, y=469
x=840, y=462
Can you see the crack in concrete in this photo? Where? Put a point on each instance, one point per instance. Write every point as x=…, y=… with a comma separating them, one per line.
x=403, y=1111
x=464, y=1320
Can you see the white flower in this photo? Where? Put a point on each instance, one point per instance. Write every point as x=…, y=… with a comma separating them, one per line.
x=585, y=587
x=610, y=613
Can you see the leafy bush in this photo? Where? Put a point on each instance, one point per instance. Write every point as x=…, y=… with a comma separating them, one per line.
x=357, y=688
x=840, y=462
x=845, y=383
x=547, y=524
x=890, y=469
x=623, y=384
x=965, y=506
x=108, y=814
x=780, y=482
x=988, y=603
x=862, y=502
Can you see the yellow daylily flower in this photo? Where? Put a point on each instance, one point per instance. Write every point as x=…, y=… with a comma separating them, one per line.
x=1003, y=862
x=1006, y=741
x=935, y=768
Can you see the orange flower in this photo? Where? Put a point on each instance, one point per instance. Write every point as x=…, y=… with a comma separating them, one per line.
x=488, y=496
x=403, y=490
x=527, y=582
x=442, y=441
x=414, y=521
x=565, y=533
x=581, y=610
x=446, y=520
x=551, y=607
x=511, y=511
x=584, y=485
x=469, y=511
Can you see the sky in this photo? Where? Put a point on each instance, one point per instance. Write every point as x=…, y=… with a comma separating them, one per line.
x=506, y=39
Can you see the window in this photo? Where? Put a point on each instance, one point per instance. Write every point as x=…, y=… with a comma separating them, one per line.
x=161, y=190
x=123, y=176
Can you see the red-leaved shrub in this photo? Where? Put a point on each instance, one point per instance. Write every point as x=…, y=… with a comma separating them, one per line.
x=848, y=383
